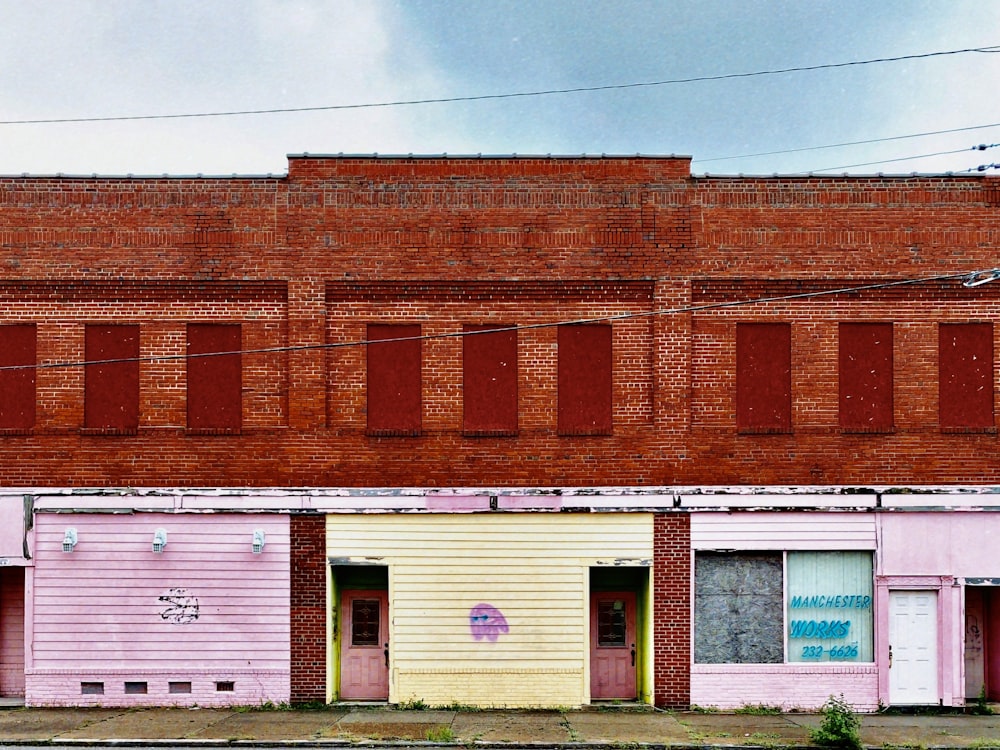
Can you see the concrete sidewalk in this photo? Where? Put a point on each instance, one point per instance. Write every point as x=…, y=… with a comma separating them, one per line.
x=613, y=727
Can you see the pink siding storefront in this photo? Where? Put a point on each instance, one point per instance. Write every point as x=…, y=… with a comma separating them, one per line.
x=158, y=608
x=938, y=602
x=783, y=607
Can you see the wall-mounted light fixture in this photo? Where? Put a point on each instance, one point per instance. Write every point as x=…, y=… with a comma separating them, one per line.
x=258, y=541
x=159, y=540
x=69, y=539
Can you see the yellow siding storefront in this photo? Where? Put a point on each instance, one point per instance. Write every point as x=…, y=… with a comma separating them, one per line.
x=533, y=570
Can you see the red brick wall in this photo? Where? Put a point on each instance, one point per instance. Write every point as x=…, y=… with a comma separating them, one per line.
x=308, y=608
x=311, y=259
x=672, y=610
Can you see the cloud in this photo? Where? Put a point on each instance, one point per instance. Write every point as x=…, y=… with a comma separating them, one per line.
x=83, y=59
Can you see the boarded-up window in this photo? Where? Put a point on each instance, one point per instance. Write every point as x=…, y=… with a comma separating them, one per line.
x=585, y=380
x=394, y=383
x=965, y=383
x=866, y=377
x=738, y=613
x=17, y=384
x=830, y=607
x=489, y=380
x=214, y=377
x=111, y=377
x=763, y=377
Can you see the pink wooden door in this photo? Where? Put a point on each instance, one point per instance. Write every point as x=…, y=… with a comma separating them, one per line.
x=612, y=645
x=364, y=645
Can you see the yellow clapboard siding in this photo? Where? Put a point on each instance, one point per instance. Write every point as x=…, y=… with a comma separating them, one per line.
x=532, y=568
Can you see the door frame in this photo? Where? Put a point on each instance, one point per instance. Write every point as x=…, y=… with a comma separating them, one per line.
x=347, y=597
x=638, y=581
x=631, y=644
x=344, y=576
x=950, y=644
x=933, y=643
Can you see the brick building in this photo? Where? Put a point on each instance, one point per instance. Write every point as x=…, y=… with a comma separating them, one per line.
x=501, y=430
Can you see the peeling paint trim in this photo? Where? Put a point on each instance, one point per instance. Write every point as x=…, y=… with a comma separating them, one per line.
x=660, y=499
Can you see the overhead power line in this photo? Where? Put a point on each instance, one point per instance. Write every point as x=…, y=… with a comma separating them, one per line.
x=979, y=147
x=511, y=95
x=970, y=279
x=865, y=142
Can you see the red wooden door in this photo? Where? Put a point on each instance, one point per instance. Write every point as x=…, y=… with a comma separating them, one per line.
x=364, y=645
x=612, y=645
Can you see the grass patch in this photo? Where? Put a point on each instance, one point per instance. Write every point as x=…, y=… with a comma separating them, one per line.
x=758, y=709
x=440, y=734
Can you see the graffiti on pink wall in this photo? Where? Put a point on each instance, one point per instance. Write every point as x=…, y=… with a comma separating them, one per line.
x=181, y=607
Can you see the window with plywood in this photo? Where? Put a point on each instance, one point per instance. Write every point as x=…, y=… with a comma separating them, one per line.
x=214, y=377
x=394, y=381
x=111, y=378
x=584, y=379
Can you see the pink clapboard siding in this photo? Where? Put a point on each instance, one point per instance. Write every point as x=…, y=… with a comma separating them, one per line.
x=12, y=631
x=779, y=530
x=206, y=610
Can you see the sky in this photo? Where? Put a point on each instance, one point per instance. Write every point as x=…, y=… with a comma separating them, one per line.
x=126, y=58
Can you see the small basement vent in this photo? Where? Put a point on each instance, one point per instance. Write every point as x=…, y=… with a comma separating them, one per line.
x=91, y=688
x=226, y=686
x=177, y=688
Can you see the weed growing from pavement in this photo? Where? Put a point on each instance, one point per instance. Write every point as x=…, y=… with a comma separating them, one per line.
x=574, y=736
x=412, y=704
x=840, y=728
x=758, y=709
x=981, y=707
x=440, y=734
x=311, y=706
x=984, y=742
x=263, y=706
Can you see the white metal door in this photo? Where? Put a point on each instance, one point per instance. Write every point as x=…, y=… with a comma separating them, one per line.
x=913, y=657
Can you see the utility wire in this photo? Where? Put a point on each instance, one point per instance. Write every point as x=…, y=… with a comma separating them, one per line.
x=980, y=147
x=982, y=167
x=972, y=278
x=512, y=95
x=849, y=143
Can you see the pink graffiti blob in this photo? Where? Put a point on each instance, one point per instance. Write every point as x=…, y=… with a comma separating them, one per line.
x=486, y=621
